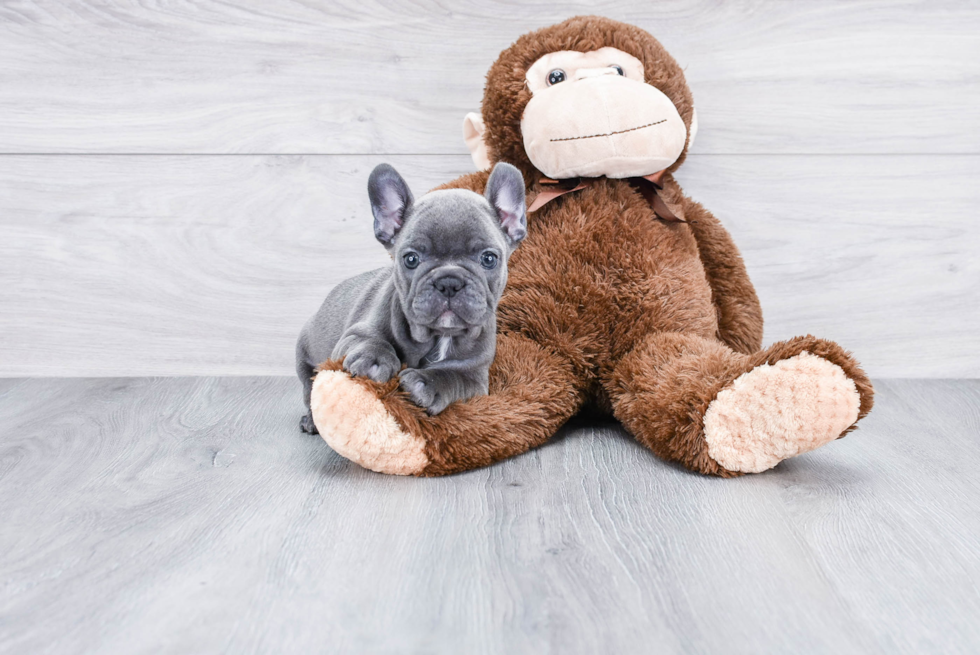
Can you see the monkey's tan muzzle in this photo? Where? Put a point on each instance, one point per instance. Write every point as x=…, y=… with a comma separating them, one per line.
x=599, y=124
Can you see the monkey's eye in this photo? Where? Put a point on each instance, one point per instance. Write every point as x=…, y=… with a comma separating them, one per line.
x=411, y=260
x=488, y=260
x=618, y=69
x=556, y=76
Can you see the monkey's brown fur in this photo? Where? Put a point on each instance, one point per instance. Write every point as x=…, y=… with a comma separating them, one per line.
x=606, y=305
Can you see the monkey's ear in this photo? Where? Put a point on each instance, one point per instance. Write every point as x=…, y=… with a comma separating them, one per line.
x=390, y=202
x=505, y=193
x=693, y=132
x=473, y=129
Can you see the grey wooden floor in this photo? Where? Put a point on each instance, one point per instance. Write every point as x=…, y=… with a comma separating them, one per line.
x=190, y=515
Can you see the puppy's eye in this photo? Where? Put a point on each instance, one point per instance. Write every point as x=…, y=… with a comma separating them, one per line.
x=411, y=260
x=488, y=260
x=618, y=69
x=556, y=76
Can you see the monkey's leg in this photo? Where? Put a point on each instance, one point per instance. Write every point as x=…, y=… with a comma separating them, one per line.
x=532, y=393
x=697, y=402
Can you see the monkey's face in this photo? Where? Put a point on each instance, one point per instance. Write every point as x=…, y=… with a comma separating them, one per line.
x=592, y=114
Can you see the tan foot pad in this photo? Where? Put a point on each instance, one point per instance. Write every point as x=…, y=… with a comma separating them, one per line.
x=775, y=412
x=356, y=425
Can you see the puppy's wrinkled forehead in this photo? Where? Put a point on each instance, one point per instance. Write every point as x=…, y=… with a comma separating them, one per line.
x=452, y=221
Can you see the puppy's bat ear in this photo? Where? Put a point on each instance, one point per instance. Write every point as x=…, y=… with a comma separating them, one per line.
x=390, y=202
x=505, y=193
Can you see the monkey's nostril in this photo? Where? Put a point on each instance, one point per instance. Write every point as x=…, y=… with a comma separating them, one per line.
x=448, y=285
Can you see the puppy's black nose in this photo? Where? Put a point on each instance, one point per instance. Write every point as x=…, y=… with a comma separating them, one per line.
x=448, y=285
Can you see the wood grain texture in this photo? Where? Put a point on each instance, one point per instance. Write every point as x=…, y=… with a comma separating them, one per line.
x=193, y=265
x=321, y=76
x=191, y=515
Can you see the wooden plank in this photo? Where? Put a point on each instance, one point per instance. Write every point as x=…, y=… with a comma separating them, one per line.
x=127, y=265
x=879, y=253
x=157, y=265
x=385, y=77
x=190, y=515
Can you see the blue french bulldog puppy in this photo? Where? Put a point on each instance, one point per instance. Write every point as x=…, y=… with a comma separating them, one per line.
x=433, y=309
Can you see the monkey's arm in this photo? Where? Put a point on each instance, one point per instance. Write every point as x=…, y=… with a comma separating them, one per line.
x=734, y=297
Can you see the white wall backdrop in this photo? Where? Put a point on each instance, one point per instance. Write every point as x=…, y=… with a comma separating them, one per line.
x=182, y=182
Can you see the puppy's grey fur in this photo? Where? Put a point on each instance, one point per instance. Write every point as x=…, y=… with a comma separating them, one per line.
x=433, y=308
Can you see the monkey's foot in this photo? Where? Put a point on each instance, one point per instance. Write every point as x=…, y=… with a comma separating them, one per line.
x=355, y=423
x=778, y=411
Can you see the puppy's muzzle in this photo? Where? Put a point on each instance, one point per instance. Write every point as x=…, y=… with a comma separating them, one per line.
x=449, y=285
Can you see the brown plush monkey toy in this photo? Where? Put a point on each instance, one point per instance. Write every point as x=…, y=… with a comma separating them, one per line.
x=626, y=296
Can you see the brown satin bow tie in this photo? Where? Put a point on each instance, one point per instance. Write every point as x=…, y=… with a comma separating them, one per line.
x=647, y=185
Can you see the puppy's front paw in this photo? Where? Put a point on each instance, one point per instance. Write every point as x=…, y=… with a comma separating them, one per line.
x=422, y=388
x=372, y=363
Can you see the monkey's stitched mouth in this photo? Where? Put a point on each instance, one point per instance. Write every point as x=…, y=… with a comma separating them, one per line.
x=594, y=136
